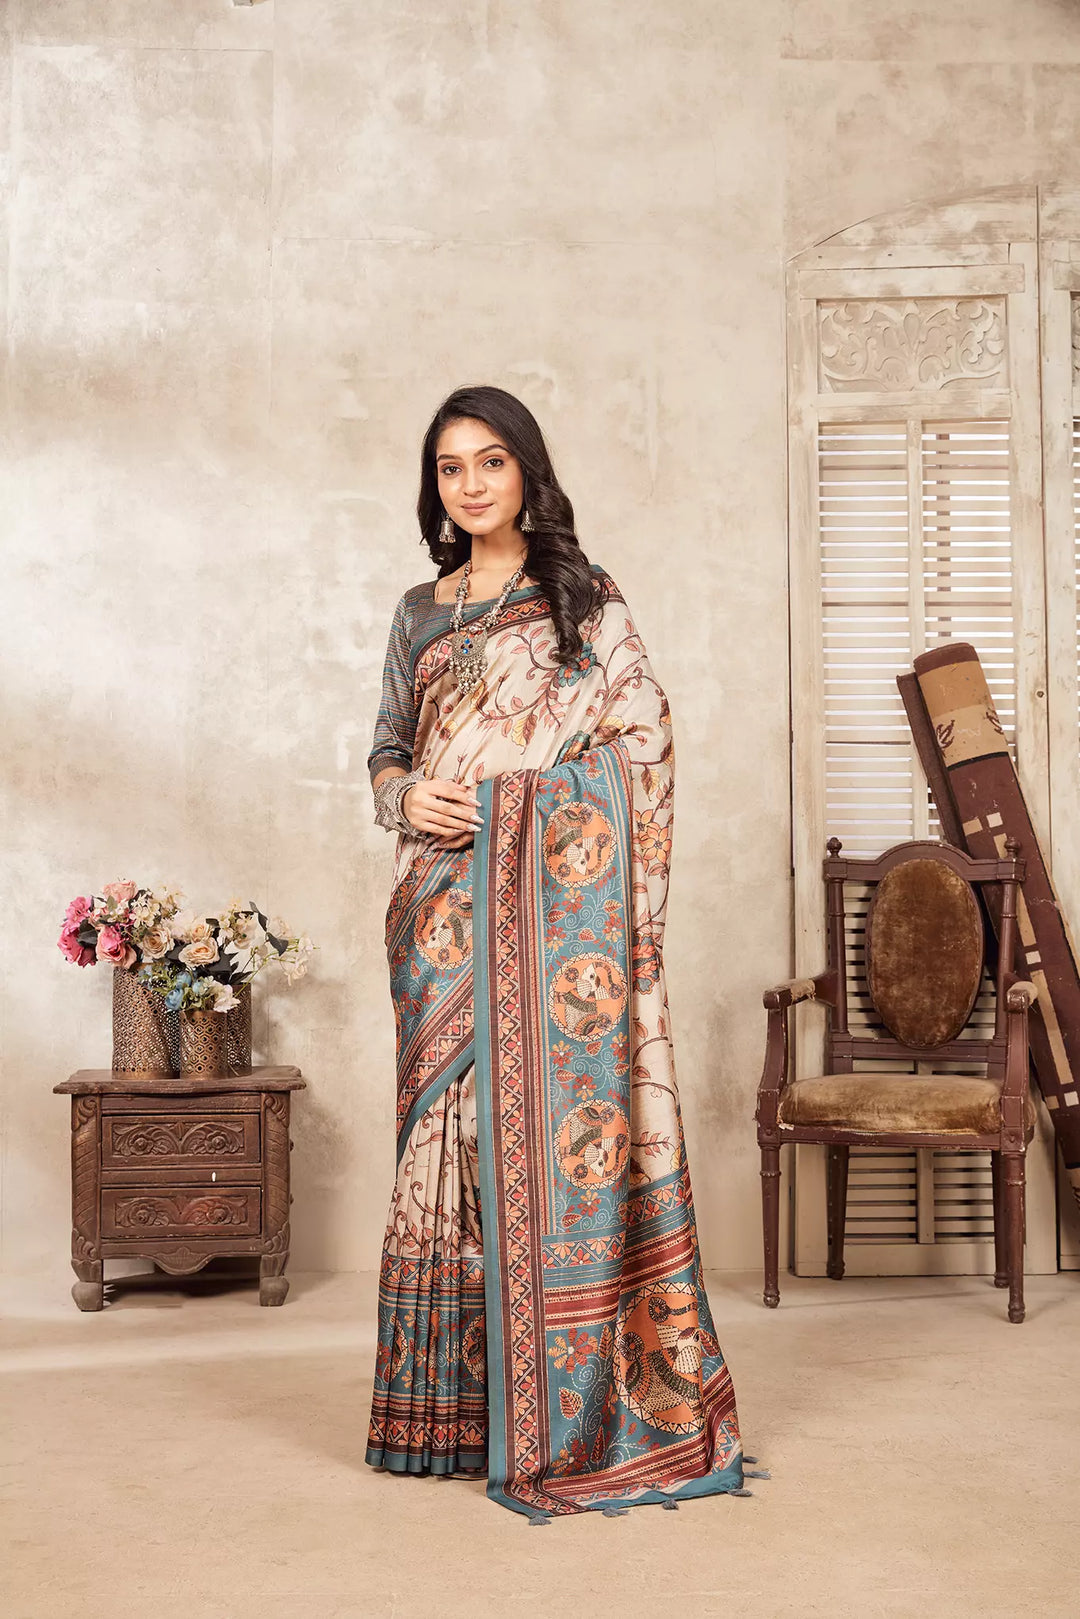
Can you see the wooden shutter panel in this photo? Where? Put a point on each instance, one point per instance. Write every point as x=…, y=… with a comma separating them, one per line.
x=915, y=517
x=1059, y=275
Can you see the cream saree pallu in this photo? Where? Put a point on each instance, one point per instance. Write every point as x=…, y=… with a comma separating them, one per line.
x=542, y=1310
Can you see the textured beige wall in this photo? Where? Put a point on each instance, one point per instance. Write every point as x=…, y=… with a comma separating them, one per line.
x=248, y=251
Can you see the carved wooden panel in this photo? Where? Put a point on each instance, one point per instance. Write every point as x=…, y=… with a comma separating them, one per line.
x=904, y=345
x=164, y=1141
x=85, y=1122
x=226, y=1211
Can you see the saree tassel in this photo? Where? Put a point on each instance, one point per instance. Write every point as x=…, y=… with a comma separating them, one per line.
x=740, y=1492
x=615, y=1512
x=671, y=1505
x=539, y=1518
x=750, y=1460
x=756, y=1472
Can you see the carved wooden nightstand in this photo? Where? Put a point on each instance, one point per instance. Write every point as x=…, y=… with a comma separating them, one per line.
x=179, y=1170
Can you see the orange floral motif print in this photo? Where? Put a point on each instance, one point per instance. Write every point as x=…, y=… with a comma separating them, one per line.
x=572, y=1350
x=654, y=840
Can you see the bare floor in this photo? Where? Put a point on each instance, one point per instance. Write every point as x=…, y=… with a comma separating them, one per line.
x=188, y=1455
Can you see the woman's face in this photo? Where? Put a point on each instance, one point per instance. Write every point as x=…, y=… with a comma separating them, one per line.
x=479, y=478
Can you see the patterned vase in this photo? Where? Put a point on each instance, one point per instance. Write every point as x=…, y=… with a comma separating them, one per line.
x=146, y=1038
x=238, y=1033
x=204, y=1043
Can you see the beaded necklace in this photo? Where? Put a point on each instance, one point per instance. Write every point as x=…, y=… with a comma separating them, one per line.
x=468, y=659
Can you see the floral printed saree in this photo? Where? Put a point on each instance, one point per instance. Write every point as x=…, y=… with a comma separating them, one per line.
x=542, y=1313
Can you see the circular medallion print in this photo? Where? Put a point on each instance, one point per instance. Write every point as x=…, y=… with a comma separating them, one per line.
x=658, y=1356
x=443, y=928
x=579, y=844
x=587, y=996
x=593, y=1144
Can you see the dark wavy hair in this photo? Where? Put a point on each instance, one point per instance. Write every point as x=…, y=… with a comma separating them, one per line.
x=554, y=557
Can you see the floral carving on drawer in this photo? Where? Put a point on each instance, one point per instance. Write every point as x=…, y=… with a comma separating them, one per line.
x=180, y=1140
x=150, y=1213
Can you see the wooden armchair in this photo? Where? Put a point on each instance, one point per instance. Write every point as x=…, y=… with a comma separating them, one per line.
x=925, y=953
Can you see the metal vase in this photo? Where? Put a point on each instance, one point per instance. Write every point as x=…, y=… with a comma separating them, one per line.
x=146, y=1038
x=238, y=1032
x=204, y=1043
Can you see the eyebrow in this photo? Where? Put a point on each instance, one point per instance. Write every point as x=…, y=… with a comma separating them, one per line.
x=446, y=456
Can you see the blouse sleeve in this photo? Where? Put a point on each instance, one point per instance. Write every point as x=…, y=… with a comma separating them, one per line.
x=395, y=725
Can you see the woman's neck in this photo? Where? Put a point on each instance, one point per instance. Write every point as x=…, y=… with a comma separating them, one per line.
x=499, y=552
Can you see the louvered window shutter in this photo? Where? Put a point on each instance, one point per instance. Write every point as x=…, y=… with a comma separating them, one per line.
x=915, y=519
x=1059, y=261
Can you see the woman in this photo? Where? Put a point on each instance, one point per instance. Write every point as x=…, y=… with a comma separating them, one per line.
x=542, y=1315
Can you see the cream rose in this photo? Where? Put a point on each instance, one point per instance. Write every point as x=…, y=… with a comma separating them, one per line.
x=200, y=952
x=156, y=942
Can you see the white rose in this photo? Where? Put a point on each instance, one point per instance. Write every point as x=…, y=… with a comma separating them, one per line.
x=182, y=923
x=224, y=998
x=245, y=929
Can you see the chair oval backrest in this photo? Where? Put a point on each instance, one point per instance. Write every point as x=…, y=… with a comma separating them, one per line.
x=924, y=952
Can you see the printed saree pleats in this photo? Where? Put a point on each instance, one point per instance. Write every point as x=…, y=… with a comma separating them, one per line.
x=550, y=1273
x=430, y=1409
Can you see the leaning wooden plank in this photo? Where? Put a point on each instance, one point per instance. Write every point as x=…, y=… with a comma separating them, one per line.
x=964, y=751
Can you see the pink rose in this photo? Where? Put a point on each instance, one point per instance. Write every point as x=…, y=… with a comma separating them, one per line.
x=68, y=942
x=122, y=893
x=77, y=911
x=111, y=948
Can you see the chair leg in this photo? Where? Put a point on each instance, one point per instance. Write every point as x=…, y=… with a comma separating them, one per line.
x=836, y=1180
x=1001, y=1246
x=770, y=1222
x=1014, y=1224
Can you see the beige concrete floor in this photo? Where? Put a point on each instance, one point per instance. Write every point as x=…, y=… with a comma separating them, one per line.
x=188, y=1455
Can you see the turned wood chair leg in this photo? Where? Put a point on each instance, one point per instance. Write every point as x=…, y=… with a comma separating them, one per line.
x=770, y=1222
x=1001, y=1247
x=836, y=1182
x=1014, y=1223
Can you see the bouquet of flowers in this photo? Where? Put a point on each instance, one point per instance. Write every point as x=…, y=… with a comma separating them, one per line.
x=195, y=962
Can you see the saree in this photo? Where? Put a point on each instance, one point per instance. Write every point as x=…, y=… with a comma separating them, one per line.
x=543, y=1317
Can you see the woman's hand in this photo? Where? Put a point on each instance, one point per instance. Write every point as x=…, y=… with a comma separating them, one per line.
x=445, y=809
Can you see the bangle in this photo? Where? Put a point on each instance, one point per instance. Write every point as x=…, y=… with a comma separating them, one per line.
x=388, y=797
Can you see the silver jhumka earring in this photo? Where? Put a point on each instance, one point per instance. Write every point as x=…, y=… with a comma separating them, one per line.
x=526, y=521
x=446, y=530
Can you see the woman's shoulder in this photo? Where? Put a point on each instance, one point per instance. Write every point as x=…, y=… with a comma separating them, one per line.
x=609, y=590
x=416, y=595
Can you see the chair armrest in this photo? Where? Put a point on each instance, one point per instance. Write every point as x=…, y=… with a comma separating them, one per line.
x=1019, y=996
x=821, y=988
x=774, y=1075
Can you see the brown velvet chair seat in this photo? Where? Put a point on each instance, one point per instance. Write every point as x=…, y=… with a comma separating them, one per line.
x=921, y=1103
